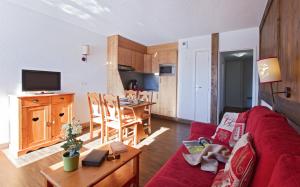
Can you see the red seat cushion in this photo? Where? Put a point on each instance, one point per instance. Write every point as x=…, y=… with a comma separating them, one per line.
x=286, y=172
x=177, y=172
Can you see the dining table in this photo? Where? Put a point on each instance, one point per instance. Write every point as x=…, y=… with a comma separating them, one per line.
x=138, y=109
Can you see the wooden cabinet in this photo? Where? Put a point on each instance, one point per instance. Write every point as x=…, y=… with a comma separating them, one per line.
x=36, y=120
x=147, y=63
x=155, y=107
x=155, y=63
x=125, y=56
x=34, y=125
x=138, y=61
x=167, y=57
x=60, y=114
x=167, y=96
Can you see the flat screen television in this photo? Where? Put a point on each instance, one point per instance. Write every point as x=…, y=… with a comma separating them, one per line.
x=33, y=80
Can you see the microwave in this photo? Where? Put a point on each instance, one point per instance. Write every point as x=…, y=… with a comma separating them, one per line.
x=167, y=69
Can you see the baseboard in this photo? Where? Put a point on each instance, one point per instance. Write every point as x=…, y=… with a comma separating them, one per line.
x=179, y=120
x=4, y=146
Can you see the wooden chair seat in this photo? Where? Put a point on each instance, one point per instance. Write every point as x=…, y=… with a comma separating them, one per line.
x=97, y=120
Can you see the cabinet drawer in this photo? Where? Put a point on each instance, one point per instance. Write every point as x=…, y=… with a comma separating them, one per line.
x=35, y=101
x=60, y=99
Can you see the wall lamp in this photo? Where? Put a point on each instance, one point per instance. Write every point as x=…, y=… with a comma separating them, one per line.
x=85, y=49
x=269, y=72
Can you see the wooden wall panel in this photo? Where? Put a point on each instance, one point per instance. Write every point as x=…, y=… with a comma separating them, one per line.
x=269, y=40
x=114, y=82
x=280, y=37
x=214, y=78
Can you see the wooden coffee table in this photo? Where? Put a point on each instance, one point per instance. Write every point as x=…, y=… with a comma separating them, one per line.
x=119, y=172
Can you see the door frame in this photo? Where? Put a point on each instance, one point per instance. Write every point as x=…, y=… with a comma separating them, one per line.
x=255, y=79
x=209, y=81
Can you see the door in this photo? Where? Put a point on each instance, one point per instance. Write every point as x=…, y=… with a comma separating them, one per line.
x=34, y=130
x=233, y=84
x=202, y=80
x=60, y=114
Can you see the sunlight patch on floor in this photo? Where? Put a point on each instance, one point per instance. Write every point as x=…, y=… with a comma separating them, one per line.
x=152, y=137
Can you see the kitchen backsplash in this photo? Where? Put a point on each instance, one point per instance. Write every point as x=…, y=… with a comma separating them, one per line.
x=144, y=81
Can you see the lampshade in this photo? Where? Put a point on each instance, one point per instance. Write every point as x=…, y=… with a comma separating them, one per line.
x=269, y=70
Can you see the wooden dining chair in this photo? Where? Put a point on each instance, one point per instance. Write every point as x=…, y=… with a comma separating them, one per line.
x=116, y=120
x=146, y=97
x=96, y=114
x=131, y=94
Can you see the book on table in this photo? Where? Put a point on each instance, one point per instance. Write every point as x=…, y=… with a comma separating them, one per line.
x=118, y=147
x=95, y=158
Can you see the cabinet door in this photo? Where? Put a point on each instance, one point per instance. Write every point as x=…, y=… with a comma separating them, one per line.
x=138, y=61
x=155, y=63
x=167, y=96
x=60, y=115
x=155, y=107
x=125, y=56
x=34, y=125
x=167, y=57
x=147, y=64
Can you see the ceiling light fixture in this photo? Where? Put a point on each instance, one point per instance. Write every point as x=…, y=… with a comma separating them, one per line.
x=241, y=54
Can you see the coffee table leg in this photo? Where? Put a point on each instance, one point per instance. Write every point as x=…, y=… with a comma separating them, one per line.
x=136, y=170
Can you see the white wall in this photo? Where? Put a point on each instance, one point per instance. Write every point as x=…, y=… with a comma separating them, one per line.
x=29, y=40
x=244, y=39
x=186, y=74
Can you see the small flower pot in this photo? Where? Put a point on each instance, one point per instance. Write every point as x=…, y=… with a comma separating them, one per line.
x=70, y=163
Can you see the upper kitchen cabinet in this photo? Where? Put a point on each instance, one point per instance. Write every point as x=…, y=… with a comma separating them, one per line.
x=167, y=57
x=138, y=61
x=125, y=56
x=131, y=54
x=122, y=51
x=147, y=63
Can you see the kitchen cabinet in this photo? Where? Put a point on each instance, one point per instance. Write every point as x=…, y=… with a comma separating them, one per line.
x=155, y=63
x=39, y=119
x=147, y=63
x=167, y=96
x=138, y=61
x=125, y=56
x=155, y=107
x=167, y=57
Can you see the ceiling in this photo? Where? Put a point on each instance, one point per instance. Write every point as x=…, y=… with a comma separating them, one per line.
x=153, y=21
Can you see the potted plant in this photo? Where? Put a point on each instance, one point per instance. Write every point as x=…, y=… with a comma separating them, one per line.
x=72, y=145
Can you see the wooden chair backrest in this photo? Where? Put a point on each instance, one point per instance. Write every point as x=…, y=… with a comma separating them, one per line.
x=95, y=104
x=131, y=94
x=111, y=105
x=146, y=97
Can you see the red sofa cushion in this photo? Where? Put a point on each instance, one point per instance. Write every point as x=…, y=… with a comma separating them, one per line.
x=272, y=137
x=286, y=172
x=177, y=172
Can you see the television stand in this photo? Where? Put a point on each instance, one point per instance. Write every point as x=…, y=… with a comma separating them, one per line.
x=36, y=120
x=44, y=92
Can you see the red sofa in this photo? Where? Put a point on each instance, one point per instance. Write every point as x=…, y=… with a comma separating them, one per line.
x=277, y=147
